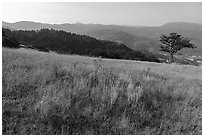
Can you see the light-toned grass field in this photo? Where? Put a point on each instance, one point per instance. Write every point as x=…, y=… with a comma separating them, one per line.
x=48, y=93
x=170, y=70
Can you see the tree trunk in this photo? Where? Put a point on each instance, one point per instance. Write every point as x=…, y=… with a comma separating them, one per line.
x=171, y=60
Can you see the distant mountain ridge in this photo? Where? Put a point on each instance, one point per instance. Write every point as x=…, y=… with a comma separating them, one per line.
x=134, y=37
x=82, y=28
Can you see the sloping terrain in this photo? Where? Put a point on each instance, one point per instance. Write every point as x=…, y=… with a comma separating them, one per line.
x=48, y=94
x=134, y=37
x=70, y=43
x=9, y=42
x=63, y=41
x=133, y=41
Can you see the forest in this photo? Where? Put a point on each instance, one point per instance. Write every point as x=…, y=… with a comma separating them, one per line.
x=70, y=43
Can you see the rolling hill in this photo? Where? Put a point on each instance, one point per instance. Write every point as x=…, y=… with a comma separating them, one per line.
x=47, y=94
x=132, y=41
x=134, y=37
x=62, y=41
x=70, y=43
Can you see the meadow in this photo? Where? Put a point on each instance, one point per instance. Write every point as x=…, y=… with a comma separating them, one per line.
x=48, y=93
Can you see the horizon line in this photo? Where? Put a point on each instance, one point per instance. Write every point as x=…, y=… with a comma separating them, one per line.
x=101, y=24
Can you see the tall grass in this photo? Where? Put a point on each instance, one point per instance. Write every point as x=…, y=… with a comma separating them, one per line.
x=41, y=95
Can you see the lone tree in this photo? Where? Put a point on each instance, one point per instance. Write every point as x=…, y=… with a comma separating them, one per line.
x=174, y=43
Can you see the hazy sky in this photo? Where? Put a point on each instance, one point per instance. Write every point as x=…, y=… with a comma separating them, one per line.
x=143, y=14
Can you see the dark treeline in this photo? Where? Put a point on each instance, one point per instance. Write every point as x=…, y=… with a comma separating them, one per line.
x=8, y=41
x=120, y=54
x=70, y=43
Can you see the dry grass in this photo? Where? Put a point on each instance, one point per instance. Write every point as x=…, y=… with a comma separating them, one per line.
x=59, y=94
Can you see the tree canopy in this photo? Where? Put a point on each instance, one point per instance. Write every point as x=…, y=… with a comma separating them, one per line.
x=70, y=43
x=173, y=43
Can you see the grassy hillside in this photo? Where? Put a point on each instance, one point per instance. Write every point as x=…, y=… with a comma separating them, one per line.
x=47, y=93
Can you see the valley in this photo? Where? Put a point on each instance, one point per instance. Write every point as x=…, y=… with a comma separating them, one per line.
x=136, y=38
x=101, y=68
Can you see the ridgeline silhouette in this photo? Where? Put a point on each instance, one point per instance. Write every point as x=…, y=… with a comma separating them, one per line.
x=71, y=43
